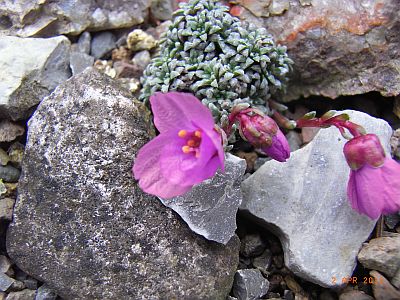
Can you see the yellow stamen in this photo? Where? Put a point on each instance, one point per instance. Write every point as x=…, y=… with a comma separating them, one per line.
x=186, y=149
x=182, y=133
x=197, y=133
x=191, y=143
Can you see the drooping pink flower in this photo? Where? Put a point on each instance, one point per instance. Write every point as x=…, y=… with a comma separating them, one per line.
x=187, y=151
x=374, y=185
x=262, y=132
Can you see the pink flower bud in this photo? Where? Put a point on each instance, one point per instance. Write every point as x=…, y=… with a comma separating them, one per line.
x=256, y=128
x=262, y=132
x=364, y=149
x=279, y=149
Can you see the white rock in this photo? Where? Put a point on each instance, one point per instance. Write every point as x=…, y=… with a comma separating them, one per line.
x=304, y=202
x=30, y=69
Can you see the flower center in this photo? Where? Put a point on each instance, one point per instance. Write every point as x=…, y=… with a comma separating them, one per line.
x=193, y=141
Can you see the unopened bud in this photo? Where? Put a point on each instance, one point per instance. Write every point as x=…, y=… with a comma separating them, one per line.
x=364, y=149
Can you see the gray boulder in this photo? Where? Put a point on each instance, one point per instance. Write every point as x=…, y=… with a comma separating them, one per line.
x=30, y=69
x=210, y=208
x=81, y=223
x=50, y=18
x=342, y=47
x=304, y=202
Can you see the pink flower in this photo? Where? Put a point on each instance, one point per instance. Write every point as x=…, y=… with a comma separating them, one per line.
x=262, y=132
x=374, y=184
x=187, y=151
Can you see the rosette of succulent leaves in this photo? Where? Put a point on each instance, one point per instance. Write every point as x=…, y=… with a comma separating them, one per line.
x=222, y=61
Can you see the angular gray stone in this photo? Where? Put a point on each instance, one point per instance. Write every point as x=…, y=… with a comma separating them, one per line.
x=45, y=293
x=30, y=70
x=304, y=202
x=249, y=284
x=80, y=212
x=102, y=44
x=80, y=61
x=5, y=282
x=49, y=18
x=84, y=42
x=341, y=47
x=382, y=254
x=210, y=208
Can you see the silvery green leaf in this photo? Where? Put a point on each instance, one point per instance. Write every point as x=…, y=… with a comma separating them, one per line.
x=214, y=29
x=174, y=74
x=187, y=46
x=203, y=37
x=210, y=47
x=164, y=88
x=228, y=76
x=214, y=83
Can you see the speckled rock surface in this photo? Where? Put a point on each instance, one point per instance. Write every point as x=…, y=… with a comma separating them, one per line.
x=82, y=225
x=304, y=202
x=50, y=18
x=339, y=47
x=210, y=208
x=30, y=70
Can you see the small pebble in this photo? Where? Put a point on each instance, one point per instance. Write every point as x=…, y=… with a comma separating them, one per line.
x=355, y=295
x=5, y=282
x=45, y=293
x=16, y=154
x=102, y=44
x=22, y=295
x=9, y=173
x=4, y=158
x=80, y=61
x=142, y=59
x=9, y=131
x=121, y=53
x=252, y=245
x=5, y=263
x=139, y=40
x=249, y=284
x=84, y=42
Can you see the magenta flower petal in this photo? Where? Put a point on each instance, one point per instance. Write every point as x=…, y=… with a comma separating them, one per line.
x=187, y=169
x=375, y=190
x=176, y=110
x=279, y=149
x=147, y=170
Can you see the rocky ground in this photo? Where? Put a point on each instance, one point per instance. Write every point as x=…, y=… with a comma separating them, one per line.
x=82, y=229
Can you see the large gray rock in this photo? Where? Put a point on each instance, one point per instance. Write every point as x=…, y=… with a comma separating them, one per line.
x=30, y=69
x=342, y=47
x=210, y=208
x=81, y=223
x=49, y=18
x=304, y=202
